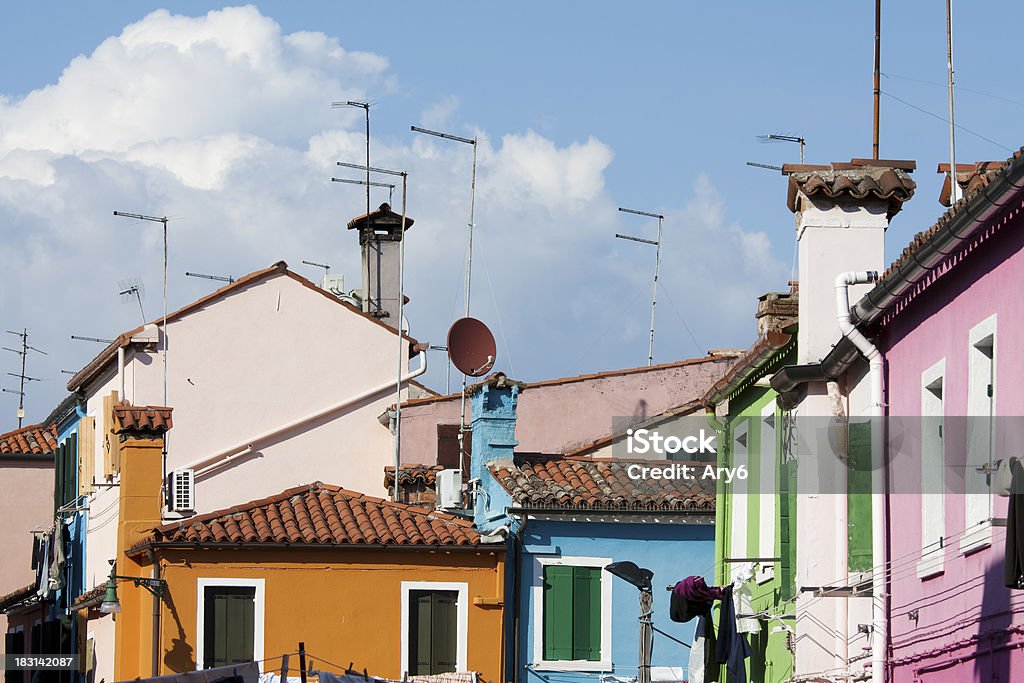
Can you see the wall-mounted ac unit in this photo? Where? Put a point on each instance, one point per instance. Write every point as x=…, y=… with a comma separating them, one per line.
x=449, y=489
x=183, y=490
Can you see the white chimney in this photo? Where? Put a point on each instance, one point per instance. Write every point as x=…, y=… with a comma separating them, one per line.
x=380, y=236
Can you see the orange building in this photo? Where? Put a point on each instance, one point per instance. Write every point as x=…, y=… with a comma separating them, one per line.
x=393, y=588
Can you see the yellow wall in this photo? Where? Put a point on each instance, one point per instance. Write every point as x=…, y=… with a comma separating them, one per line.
x=345, y=604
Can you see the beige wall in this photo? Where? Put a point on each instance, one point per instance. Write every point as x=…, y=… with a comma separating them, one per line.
x=26, y=504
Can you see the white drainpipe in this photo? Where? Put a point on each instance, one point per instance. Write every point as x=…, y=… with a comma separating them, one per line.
x=221, y=457
x=120, y=372
x=878, y=559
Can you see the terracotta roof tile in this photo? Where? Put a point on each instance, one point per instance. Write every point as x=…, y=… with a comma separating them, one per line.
x=93, y=596
x=970, y=177
x=129, y=418
x=412, y=475
x=31, y=440
x=546, y=481
x=320, y=514
x=858, y=179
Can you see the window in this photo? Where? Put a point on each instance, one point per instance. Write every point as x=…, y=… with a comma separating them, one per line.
x=933, y=463
x=981, y=410
x=230, y=622
x=448, y=446
x=572, y=623
x=434, y=627
x=14, y=645
x=433, y=632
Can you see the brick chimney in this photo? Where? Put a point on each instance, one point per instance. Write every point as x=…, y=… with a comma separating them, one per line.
x=777, y=310
x=842, y=212
x=141, y=431
x=494, y=403
x=380, y=237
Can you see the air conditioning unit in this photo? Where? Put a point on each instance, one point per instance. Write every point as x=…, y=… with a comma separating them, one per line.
x=183, y=490
x=449, y=489
x=333, y=283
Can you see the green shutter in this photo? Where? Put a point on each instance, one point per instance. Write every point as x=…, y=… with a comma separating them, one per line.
x=586, y=614
x=859, y=497
x=230, y=621
x=58, y=478
x=433, y=632
x=558, y=612
x=787, y=529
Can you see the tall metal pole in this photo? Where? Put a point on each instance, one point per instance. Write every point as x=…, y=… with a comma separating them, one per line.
x=401, y=306
x=21, y=387
x=657, y=269
x=954, y=186
x=877, y=77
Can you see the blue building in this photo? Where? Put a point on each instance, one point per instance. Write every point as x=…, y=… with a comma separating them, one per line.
x=566, y=518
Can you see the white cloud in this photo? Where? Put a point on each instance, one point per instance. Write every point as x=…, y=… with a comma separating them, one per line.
x=224, y=123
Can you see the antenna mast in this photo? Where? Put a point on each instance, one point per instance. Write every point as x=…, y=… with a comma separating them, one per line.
x=877, y=76
x=657, y=267
x=22, y=377
x=954, y=185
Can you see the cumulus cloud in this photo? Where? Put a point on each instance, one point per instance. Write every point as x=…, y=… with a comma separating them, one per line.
x=223, y=122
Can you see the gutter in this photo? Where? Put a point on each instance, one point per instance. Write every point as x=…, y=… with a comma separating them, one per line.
x=966, y=219
x=749, y=363
x=222, y=457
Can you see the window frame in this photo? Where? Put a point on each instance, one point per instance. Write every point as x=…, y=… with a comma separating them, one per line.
x=768, y=487
x=258, y=615
x=978, y=535
x=739, y=504
x=462, y=619
x=604, y=663
x=933, y=510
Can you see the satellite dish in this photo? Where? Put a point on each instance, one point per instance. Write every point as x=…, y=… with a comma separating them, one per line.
x=471, y=347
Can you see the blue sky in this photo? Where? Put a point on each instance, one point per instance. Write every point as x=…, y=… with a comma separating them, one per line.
x=584, y=107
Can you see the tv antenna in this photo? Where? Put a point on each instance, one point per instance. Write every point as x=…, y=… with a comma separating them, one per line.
x=133, y=289
x=325, y=266
x=98, y=340
x=390, y=186
x=657, y=268
x=768, y=166
x=22, y=377
x=401, y=298
x=365, y=106
x=219, y=278
x=469, y=250
x=778, y=137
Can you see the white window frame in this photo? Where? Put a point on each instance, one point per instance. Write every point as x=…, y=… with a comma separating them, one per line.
x=767, y=494
x=258, y=615
x=933, y=473
x=739, y=515
x=539, y=663
x=462, y=619
x=978, y=506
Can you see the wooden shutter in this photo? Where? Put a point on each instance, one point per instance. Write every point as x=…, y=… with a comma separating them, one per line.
x=14, y=644
x=86, y=455
x=71, y=470
x=111, y=443
x=433, y=632
x=448, y=446
x=558, y=613
x=230, y=619
x=58, y=477
x=858, y=499
x=787, y=528
x=586, y=613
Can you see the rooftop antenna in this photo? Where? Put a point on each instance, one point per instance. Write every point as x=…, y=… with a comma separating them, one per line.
x=22, y=377
x=365, y=106
x=877, y=76
x=163, y=323
x=401, y=304
x=768, y=166
x=325, y=266
x=130, y=289
x=98, y=340
x=657, y=267
x=463, y=427
x=954, y=184
x=778, y=137
x=219, y=278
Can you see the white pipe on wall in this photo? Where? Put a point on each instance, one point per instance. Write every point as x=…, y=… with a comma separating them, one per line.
x=875, y=373
x=205, y=464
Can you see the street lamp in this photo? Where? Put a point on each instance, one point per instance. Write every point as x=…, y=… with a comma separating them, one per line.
x=641, y=578
x=111, y=605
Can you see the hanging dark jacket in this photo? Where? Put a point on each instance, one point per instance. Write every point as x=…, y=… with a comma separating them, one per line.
x=732, y=648
x=1014, y=561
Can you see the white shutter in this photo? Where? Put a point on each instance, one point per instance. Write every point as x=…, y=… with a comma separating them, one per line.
x=183, y=488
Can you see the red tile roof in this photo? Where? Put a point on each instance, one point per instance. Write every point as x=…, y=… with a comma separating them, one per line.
x=18, y=597
x=31, y=440
x=858, y=179
x=412, y=474
x=763, y=350
x=319, y=514
x=91, y=598
x=96, y=365
x=970, y=177
x=558, y=482
x=129, y=418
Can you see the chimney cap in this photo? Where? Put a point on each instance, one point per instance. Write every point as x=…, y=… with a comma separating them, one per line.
x=141, y=419
x=856, y=180
x=383, y=217
x=497, y=380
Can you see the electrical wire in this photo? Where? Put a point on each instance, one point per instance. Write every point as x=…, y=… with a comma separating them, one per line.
x=700, y=350
x=958, y=87
x=497, y=309
x=945, y=120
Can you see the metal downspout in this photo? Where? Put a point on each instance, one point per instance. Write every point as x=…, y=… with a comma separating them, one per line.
x=879, y=630
x=156, y=616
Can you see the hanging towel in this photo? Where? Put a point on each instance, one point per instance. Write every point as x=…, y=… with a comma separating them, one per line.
x=732, y=648
x=741, y=596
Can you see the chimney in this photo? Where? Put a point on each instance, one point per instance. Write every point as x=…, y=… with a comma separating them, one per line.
x=842, y=212
x=380, y=238
x=141, y=431
x=777, y=310
x=494, y=427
